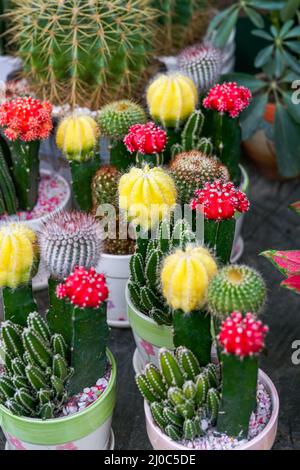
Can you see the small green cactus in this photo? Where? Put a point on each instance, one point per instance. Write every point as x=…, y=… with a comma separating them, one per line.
x=35, y=375
x=236, y=288
x=116, y=118
x=178, y=402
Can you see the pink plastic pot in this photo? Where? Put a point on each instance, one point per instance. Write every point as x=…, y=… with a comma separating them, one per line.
x=264, y=440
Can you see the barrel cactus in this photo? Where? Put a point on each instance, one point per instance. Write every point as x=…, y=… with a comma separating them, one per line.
x=181, y=394
x=36, y=369
x=61, y=61
x=116, y=118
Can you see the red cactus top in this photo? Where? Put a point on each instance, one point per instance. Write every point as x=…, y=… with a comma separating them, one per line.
x=84, y=288
x=242, y=336
x=219, y=200
x=146, y=139
x=26, y=119
x=228, y=98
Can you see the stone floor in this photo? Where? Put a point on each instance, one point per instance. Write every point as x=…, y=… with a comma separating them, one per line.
x=269, y=224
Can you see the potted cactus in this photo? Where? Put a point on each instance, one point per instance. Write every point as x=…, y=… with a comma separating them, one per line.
x=49, y=398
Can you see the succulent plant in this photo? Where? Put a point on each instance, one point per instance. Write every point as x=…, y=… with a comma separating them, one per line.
x=63, y=64
x=236, y=288
x=203, y=64
x=36, y=369
x=148, y=142
x=18, y=264
x=77, y=138
x=8, y=197
x=70, y=239
x=191, y=170
x=180, y=393
x=116, y=118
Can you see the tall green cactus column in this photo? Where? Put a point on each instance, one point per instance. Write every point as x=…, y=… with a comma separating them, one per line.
x=8, y=197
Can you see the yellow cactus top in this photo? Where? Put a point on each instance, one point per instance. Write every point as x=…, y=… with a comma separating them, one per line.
x=172, y=98
x=147, y=195
x=18, y=254
x=185, y=277
x=77, y=137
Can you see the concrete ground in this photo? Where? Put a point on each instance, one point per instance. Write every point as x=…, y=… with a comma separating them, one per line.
x=269, y=224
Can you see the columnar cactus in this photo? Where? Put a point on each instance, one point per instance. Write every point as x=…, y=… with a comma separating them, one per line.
x=191, y=170
x=36, y=369
x=8, y=197
x=68, y=240
x=25, y=122
x=203, y=64
x=18, y=264
x=236, y=287
x=62, y=63
x=80, y=317
x=77, y=138
x=185, y=277
x=104, y=192
x=241, y=339
x=181, y=394
x=145, y=265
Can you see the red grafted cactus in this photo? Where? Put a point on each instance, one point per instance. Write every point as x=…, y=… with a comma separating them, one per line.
x=242, y=336
x=228, y=98
x=85, y=289
x=146, y=139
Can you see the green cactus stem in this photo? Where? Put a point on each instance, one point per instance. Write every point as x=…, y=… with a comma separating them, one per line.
x=82, y=176
x=18, y=303
x=155, y=159
x=239, y=383
x=7, y=188
x=193, y=331
x=219, y=236
x=119, y=155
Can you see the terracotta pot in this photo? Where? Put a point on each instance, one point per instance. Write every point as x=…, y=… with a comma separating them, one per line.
x=264, y=440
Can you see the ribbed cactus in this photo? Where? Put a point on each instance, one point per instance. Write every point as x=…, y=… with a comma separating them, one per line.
x=68, y=240
x=18, y=264
x=236, y=287
x=104, y=192
x=171, y=99
x=145, y=265
x=181, y=394
x=65, y=65
x=203, y=64
x=77, y=138
x=36, y=369
x=147, y=195
x=191, y=170
x=8, y=197
x=79, y=315
x=116, y=118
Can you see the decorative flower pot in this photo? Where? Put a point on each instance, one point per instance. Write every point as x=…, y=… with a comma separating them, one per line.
x=117, y=271
x=56, y=196
x=263, y=441
x=89, y=429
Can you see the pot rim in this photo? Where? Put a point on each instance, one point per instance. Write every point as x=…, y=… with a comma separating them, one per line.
x=265, y=379
x=114, y=257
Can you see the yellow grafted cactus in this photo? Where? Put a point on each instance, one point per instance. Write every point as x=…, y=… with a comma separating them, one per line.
x=185, y=277
x=171, y=99
x=18, y=255
x=77, y=137
x=147, y=195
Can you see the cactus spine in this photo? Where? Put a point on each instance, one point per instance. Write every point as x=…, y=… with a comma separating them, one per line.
x=35, y=375
x=180, y=393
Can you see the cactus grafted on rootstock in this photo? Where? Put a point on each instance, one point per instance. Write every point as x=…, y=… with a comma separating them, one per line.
x=145, y=265
x=80, y=317
x=147, y=142
x=202, y=64
x=181, y=394
x=65, y=65
x=77, y=137
x=191, y=170
x=236, y=287
x=185, y=277
x=104, y=192
x=224, y=104
x=25, y=122
x=18, y=264
x=242, y=339
x=36, y=369
x=8, y=197
x=219, y=202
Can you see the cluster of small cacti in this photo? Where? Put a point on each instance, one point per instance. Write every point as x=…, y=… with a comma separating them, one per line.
x=181, y=394
x=36, y=369
x=83, y=72
x=203, y=64
x=145, y=266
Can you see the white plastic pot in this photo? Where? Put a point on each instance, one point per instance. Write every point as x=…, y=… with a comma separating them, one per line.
x=116, y=270
x=263, y=441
